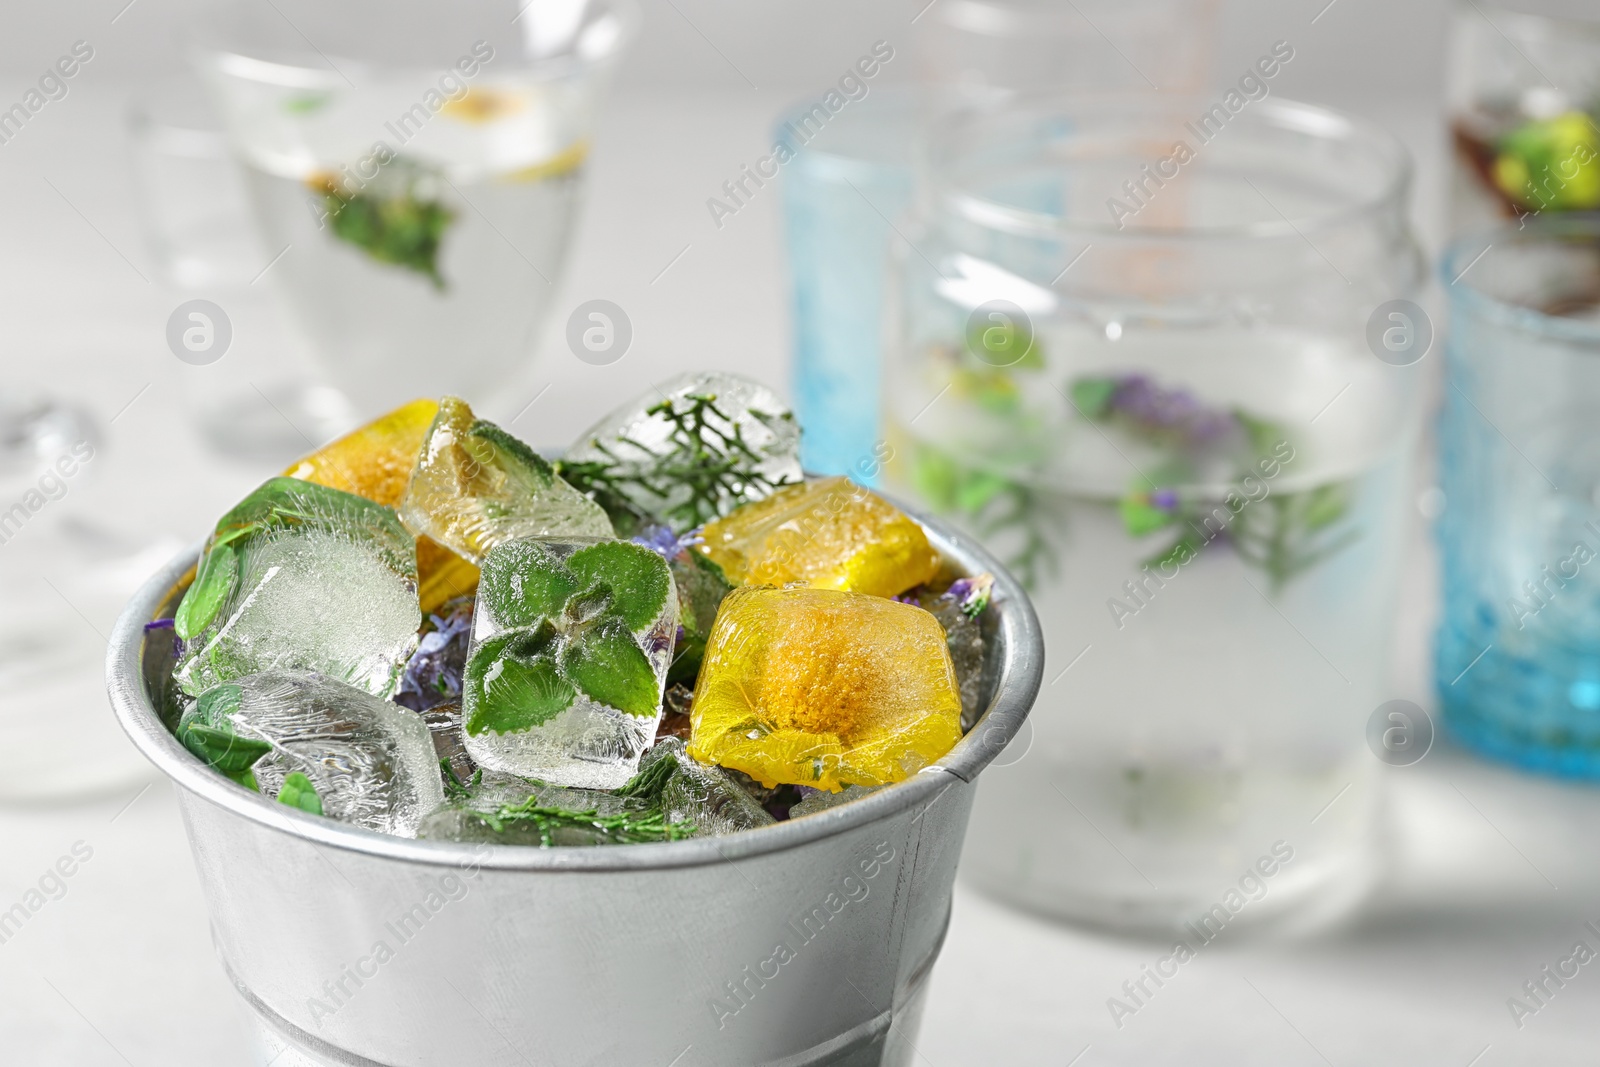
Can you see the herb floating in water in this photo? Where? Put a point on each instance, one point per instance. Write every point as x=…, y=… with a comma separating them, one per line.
x=1283, y=534
x=398, y=217
x=1021, y=521
x=1551, y=164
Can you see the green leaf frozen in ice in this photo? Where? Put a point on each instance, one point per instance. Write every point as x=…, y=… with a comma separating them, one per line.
x=298, y=792
x=638, y=578
x=515, y=685
x=205, y=597
x=523, y=582
x=607, y=664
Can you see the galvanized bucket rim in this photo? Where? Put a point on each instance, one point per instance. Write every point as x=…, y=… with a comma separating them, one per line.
x=1017, y=680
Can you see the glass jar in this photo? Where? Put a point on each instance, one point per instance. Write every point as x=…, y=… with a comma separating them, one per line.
x=1128, y=350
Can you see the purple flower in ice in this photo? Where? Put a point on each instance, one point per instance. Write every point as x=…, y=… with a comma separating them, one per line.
x=1165, y=499
x=972, y=594
x=661, y=540
x=433, y=674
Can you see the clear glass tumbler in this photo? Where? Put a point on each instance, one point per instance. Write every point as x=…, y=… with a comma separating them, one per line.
x=1524, y=92
x=1518, y=652
x=1131, y=356
x=417, y=166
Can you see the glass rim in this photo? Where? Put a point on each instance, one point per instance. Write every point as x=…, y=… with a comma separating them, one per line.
x=1455, y=268
x=1327, y=123
x=238, y=62
x=921, y=103
x=998, y=18
x=1524, y=24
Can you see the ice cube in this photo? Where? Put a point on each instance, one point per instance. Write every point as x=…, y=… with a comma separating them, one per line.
x=824, y=688
x=817, y=800
x=691, y=450
x=302, y=577
x=703, y=794
x=476, y=485
x=376, y=462
x=444, y=725
x=370, y=761
x=570, y=648
x=506, y=810
x=829, y=534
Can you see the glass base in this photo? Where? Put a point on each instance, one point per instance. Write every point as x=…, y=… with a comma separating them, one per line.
x=1297, y=903
x=64, y=580
x=1186, y=850
x=1523, y=700
x=1491, y=736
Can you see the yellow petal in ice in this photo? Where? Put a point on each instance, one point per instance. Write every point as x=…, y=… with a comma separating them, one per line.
x=374, y=461
x=824, y=688
x=829, y=534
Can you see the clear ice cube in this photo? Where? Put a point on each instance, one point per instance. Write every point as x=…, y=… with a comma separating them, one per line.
x=302, y=577
x=444, y=724
x=371, y=761
x=703, y=794
x=570, y=649
x=816, y=800
x=476, y=485
x=489, y=813
x=692, y=450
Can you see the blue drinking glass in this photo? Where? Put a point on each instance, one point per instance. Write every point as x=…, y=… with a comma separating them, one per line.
x=1518, y=651
x=845, y=190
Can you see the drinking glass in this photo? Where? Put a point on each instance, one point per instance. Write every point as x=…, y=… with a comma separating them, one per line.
x=1524, y=98
x=418, y=167
x=260, y=399
x=844, y=192
x=1159, y=407
x=63, y=570
x=852, y=176
x=1518, y=653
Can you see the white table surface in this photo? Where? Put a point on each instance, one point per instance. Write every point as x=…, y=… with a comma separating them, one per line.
x=1491, y=874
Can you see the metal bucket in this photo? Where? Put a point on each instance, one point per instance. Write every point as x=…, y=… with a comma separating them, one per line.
x=808, y=942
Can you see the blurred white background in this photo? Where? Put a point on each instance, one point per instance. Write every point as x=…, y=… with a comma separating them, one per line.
x=1493, y=874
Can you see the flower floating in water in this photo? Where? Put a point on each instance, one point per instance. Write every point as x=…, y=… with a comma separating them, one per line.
x=1165, y=416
